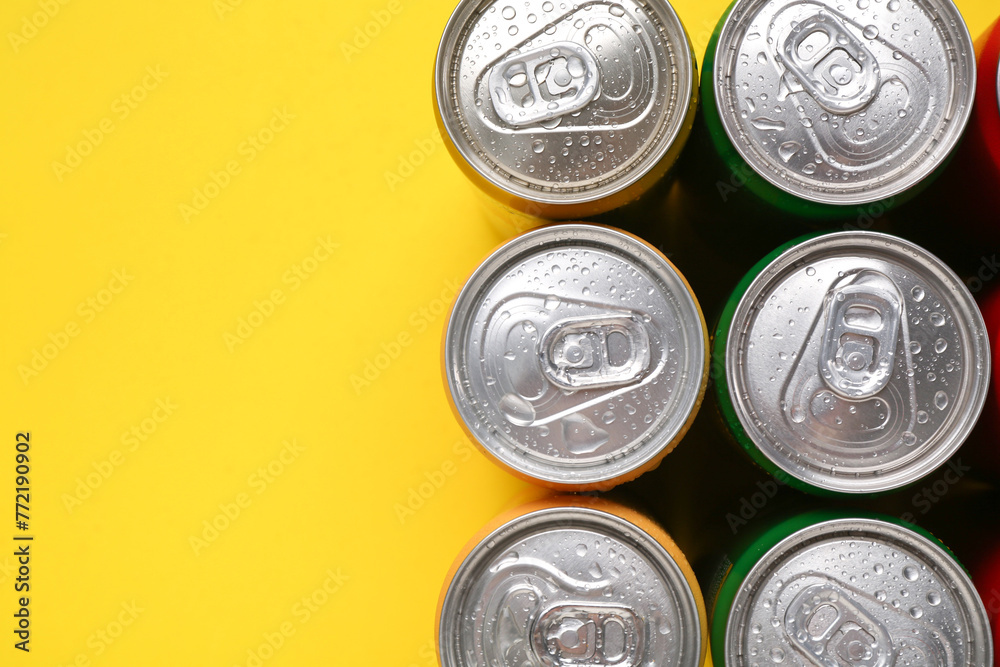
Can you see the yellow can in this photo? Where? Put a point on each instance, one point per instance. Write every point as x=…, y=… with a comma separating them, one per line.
x=571, y=580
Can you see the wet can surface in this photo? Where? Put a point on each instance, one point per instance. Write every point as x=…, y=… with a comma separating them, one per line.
x=832, y=591
x=825, y=107
x=563, y=111
x=572, y=582
x=852, y=362
x=576, y=356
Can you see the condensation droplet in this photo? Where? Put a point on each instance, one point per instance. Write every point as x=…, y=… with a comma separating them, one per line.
x=940, y=400
x=517, y=410
x=786, y=151
x=763, y=123
x=940, y=345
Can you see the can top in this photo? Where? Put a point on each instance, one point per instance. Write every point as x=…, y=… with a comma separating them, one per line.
x=844, y=102
x=575, y=354
x=561, y=104
x=857, y=362
x=569, y=587
x=861, y=592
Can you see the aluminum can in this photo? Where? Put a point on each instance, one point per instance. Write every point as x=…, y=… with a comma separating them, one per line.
x=851, y=363
x=836, y=591
x=565, y=111
x=571, y=582
x=576, y=356
x=825, y=108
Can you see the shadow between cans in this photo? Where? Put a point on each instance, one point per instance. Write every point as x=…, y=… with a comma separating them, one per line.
x=714, y=501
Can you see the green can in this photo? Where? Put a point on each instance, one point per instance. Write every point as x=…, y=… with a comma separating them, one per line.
x=850, y=363
x=835, y=590
x=829, y=110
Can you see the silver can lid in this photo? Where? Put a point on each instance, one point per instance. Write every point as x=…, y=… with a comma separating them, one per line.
x=844, y=102
x=575, y=354
x=569, y=587
x=564, y=103
x=857, y=362
x=859, y=592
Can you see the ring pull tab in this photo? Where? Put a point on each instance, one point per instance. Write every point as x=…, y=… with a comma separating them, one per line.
x=544, y=83
x=831, y=630
x=571, y=635
x=859, y=345
x=832, y=65
x=586, y=353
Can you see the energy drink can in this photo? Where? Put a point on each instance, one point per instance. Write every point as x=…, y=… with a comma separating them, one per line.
x=825, y=108
x=832, y=591
x=576, y=356
x=572, y=582
x=565, y=111
x=851, y=363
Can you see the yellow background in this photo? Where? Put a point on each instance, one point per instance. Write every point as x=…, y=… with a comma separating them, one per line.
x=178, y=228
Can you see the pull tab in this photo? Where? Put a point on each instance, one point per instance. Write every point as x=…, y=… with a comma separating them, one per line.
x=584, y=353
x=609, y=636
x=832, y=65
x=550, y=81
x=859, y=345
x=831, y=630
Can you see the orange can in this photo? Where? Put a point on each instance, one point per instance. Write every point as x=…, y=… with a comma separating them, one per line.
x=576, y=356
x=571, y=581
